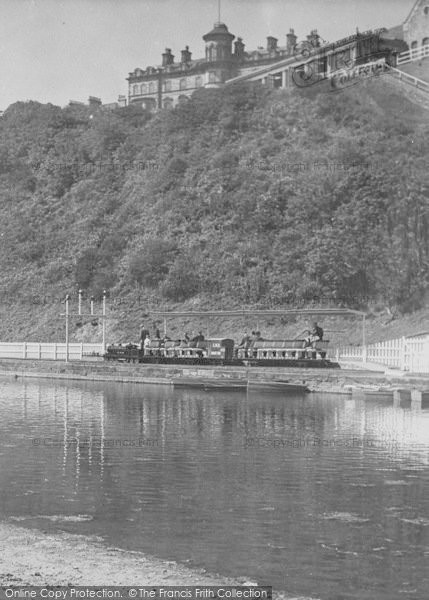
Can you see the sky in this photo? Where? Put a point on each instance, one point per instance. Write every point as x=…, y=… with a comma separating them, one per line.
x=60, y=50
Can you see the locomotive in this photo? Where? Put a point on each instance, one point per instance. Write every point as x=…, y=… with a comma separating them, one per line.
x=222, y=351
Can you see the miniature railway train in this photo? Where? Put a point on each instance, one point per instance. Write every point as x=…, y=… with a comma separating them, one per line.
x=222, y=351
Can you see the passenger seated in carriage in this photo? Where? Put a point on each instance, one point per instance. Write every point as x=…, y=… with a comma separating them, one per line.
x=257, y=337
x=314, y=336
x=197, y=338
x=185, y=341
x=244, y=344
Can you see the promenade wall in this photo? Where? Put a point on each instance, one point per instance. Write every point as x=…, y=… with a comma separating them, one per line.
x=329, y=380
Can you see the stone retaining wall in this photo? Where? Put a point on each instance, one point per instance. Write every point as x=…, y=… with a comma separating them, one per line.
x=317, y=380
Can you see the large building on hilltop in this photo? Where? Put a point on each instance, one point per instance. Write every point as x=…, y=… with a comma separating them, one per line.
x=227, y=60
x=165, y=85
x=414, y=31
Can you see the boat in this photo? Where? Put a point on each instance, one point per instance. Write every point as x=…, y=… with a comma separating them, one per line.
x=277, y=386
x=209, y=384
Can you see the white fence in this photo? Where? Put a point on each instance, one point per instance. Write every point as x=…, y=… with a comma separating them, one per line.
x=406, y=353
x=414, y=54
x=47, y=351
x=414, y=81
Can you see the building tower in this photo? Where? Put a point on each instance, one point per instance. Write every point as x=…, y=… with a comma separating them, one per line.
x=218, y=43
x=219, y=58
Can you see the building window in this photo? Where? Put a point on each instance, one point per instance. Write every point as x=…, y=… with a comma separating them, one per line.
x=143, y=88
x=426, y=10
x=182, y=84
x=151, y=87
x=212, y=77
x=198, y=81
x=211, y=52
x=425, y=41
x=135, y=90
x=413, y=45
x=167, y=85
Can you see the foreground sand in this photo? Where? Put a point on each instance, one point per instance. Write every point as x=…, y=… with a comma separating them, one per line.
x=31, y=557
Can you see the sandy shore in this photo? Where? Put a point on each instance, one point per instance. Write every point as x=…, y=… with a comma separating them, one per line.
x=31, y=557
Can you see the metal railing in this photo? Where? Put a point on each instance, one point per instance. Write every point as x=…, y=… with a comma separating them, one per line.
x=50, y=351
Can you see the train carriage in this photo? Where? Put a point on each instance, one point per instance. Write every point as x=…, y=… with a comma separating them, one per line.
x=220, y=351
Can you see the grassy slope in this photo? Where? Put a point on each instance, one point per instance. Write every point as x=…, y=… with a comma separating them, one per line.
x=418, y=68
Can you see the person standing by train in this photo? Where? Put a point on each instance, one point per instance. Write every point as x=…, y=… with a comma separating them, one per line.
x=143, y=335
x=146, y=345
x=244, y=345
x=198, y=338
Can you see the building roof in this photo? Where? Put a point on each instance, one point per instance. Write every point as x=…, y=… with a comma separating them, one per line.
x=220, y=30
x=395, y=33
x=398, y=31
x=412, y=10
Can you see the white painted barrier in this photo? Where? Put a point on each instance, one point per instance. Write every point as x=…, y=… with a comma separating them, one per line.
x=410, y=79
x=414, y=54
x=49, y=351
x=407, y=353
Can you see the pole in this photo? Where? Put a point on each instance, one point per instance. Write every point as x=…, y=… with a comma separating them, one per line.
x=80, y=302
x=218, y=11
x=104, y=321
x=67, y=327
x=363, y=340
x=92, y=305
x=159, y=89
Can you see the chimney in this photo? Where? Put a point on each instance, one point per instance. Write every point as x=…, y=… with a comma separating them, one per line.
x=239, y=48
x=186, y=55
x=167, y=58
x=290, y=41
x=271, y=44
x=93, y=101
x=313, y=38
x=122, y=100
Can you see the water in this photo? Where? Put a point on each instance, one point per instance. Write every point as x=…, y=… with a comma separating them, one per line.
x=320, y=496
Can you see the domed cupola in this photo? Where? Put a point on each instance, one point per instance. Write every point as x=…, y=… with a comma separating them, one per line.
x=218, y=43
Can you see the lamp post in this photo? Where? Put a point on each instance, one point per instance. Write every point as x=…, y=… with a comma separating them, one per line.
x=67, y=314
x=104, y=321
x=160, y=82
x=364, y=349
x=67, y=327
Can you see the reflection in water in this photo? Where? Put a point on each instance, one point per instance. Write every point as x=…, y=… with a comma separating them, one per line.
x=320, y=496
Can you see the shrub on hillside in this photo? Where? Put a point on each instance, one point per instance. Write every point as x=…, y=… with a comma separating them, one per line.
x=182, y=281
x=149, y=265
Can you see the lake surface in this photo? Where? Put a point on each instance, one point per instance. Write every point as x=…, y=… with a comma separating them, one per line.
x=320, y=496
